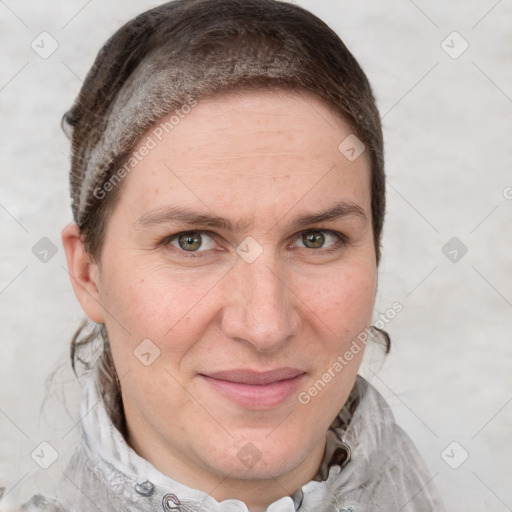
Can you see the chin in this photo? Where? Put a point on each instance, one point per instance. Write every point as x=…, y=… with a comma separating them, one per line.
x=261, y=465
x=257, y=457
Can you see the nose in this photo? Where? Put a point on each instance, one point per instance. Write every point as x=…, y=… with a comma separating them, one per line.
x=263, y=312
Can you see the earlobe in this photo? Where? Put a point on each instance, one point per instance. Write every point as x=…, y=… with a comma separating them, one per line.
x=83, y=272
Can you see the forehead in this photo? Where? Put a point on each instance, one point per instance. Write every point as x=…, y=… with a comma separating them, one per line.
x=264, y=150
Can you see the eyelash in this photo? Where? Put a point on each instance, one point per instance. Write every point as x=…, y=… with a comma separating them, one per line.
x=342, y=241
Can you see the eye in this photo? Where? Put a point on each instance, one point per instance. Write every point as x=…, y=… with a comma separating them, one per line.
x=191, y=241
x=197, y=243
x=317, y=238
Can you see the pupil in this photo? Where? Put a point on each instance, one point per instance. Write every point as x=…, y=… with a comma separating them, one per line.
x=190, y=242
x=316, y=239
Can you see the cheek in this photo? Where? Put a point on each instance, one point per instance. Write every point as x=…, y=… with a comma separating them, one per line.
x=344, y=300
x=154, y=302
x=340, y=309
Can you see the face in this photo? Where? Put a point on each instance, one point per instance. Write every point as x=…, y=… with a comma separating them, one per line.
x=214, y=257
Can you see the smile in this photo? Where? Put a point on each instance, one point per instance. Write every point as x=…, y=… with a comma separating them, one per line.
x=256, y=390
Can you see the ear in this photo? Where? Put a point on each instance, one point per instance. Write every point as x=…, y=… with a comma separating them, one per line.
x=84, y=273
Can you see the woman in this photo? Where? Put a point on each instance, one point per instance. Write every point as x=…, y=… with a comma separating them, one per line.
x=228, y=195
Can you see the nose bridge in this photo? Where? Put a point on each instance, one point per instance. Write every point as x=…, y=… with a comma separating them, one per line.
x=264, y=313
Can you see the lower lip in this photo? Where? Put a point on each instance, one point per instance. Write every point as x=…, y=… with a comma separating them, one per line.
x=253, y=396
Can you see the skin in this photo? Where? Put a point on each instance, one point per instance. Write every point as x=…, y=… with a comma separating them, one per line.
x=261, y=157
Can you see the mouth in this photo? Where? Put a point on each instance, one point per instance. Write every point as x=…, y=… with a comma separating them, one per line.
x=256, y=390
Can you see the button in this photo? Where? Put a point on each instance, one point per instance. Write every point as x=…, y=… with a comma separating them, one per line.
x=170, y=502
x=145, y=488
x=233, y=505
x=282, y=505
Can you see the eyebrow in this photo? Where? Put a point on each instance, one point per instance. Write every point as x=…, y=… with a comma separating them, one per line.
x=187, y=216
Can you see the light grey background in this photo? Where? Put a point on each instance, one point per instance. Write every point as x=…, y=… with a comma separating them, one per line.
x=448, y=127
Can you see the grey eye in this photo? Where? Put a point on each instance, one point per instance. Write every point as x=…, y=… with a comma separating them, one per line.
x=313, y=239
x=317, y=238
x=191, y=241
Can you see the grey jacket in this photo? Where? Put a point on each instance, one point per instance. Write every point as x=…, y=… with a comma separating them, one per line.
x=370, y=465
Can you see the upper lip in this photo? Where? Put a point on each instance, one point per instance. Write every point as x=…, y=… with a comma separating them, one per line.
x=246, y=376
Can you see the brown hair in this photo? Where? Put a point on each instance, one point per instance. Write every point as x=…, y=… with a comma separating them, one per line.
x=199, y=48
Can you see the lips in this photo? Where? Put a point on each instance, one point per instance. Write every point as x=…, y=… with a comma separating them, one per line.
x=255, y=390
x=256, y=378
